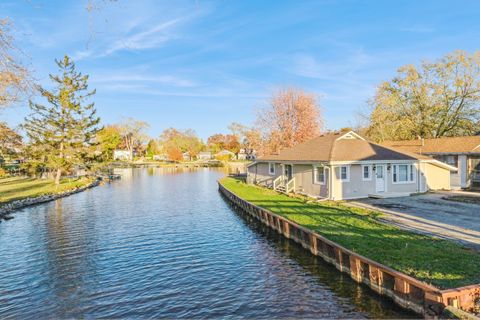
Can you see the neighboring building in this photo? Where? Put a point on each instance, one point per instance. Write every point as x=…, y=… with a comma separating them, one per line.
x=242, y=155
x=205, y=155
x=122, y=155
x=246, y=154
x=160, y=157
x=460, y=152
x=341, y=166
x=186, y=156
x=225, y=154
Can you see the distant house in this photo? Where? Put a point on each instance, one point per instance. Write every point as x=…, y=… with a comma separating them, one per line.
x=160, y=157
x=242, y=155
x=186, y=156
x=460, y=152
x=205, y=155
x=246, y=154
x=122, y=155
x=225, y=154
x=341, y=166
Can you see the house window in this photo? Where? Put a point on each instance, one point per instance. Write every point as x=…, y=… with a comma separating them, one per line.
x=344, y=173
x=403, y=173
x=367, y=173
x=271, y=168
x=319, y=175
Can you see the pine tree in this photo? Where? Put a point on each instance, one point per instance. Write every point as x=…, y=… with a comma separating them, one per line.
x=63, y=131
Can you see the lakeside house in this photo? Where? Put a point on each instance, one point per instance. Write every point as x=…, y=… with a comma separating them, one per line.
x=225, y=154
x=460, y=152
x=122, y=155
x=186, y=156
x=205, y=155
x=160, y=157
x=341, y=166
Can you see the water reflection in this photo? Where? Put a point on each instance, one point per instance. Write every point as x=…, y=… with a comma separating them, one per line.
x=162, y=243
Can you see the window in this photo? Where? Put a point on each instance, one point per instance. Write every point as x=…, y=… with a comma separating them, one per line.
x=344, y=173
x=319, y=175
x=367, y=173
x=403, y=173
x=271, y=168
x=448, y=159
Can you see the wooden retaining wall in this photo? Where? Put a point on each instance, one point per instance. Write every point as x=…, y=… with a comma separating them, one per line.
x=406, y=291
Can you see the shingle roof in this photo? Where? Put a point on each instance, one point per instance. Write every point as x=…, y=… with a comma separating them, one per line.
x=334, y=147
x=469, y=144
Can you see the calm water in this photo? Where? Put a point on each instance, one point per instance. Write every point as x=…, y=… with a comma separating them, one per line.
x=164, y=244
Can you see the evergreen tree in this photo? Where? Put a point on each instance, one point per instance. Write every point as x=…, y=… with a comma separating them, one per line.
x=63, y=131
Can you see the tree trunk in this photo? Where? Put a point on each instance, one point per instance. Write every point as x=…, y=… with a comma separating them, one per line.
x=58, y=175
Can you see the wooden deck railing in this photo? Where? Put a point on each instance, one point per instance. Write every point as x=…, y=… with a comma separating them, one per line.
x=290, y=186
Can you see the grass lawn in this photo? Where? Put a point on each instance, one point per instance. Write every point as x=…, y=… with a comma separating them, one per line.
x=16, y=188
x=442, y=263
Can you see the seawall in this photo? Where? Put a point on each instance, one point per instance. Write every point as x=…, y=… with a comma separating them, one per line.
x=405, y=291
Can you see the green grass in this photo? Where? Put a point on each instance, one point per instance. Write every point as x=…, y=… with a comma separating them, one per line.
x=442, y=263
x=16, y=188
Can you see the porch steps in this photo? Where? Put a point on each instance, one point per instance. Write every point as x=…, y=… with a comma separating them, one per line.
x=384, y=195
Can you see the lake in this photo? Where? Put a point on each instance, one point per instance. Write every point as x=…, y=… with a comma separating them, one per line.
x=163, y=243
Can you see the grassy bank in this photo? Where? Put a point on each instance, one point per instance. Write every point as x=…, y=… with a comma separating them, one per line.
x=17, y=188
x=439, y=262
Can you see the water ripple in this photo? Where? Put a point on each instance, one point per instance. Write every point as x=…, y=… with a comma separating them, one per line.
x=164, y=244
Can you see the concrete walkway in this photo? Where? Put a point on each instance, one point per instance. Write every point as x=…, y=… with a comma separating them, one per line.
x=431, y=214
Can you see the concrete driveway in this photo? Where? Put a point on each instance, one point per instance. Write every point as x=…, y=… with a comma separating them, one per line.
x=431, y=214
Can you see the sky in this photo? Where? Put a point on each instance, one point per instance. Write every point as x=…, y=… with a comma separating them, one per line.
x=204, y=64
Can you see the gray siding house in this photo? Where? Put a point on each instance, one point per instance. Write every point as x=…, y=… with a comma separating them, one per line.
x=460, y=152
x=341, y=166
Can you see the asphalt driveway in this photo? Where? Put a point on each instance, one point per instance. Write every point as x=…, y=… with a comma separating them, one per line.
x=431, y=214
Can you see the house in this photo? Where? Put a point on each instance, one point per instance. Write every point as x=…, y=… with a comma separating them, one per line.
x=122, y=155
x=225, y=154
x=460, y=152
x=246, y=154
x=205, y=155
x=242, y=154
x=186, y=156
x=341, y=166
x=160, y=157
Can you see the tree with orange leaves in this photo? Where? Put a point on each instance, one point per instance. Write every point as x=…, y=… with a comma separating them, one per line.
x=292, y=117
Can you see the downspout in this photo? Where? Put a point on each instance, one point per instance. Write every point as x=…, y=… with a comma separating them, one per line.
x=330, y=178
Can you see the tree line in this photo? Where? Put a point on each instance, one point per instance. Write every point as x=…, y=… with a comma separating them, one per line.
x=433, y=99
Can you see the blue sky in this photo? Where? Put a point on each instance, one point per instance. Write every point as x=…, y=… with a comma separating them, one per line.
x=204, y=64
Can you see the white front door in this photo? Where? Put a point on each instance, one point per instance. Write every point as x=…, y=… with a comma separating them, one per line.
x=380, y=178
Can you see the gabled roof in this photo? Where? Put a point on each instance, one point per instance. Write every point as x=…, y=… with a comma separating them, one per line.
x=469, y=144
x=340, y=147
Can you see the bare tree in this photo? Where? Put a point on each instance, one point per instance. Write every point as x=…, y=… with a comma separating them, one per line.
x=15, y=81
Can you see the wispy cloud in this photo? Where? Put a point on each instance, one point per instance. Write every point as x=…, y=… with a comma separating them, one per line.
x=148, y=38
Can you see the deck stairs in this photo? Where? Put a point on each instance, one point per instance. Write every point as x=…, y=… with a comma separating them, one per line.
x=281, y=184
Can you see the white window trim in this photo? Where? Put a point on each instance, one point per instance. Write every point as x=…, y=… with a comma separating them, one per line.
x=410, y=167
x=271, y=165
x=340, y=174
x=370, y=171
x=315, y=168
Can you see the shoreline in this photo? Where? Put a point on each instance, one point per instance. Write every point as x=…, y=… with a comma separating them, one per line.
x=406, y=291
x=7, y=208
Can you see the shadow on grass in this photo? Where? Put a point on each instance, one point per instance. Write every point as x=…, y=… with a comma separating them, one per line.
x=436, y=261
